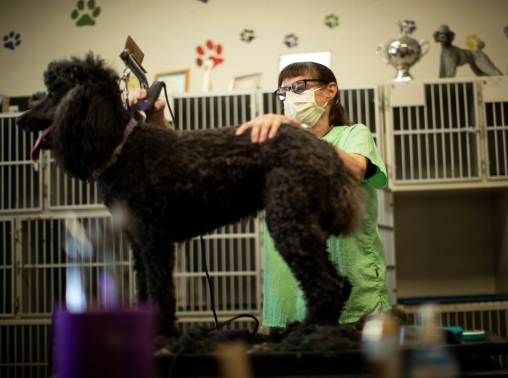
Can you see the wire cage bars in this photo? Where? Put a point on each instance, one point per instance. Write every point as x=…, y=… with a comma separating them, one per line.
x=20, y=179
x=495, y=119
x=436, y=140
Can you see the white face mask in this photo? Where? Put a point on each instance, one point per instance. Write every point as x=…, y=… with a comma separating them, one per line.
x=303, y=107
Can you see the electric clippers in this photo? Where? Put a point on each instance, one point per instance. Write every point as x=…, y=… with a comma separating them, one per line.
x=133, y=57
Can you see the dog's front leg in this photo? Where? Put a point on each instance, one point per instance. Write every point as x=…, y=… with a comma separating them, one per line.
x=159, y=260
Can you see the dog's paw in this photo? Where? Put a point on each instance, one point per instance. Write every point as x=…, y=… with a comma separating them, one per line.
x=211, y=51
x=84, y=19
x=332, y=21
x=321, y=338
x=11, y=40
x=291, y=40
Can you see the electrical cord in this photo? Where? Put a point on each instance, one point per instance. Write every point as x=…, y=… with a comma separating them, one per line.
x=256, y=328
x=169, y=106
x=203, y=255
x=173, y=362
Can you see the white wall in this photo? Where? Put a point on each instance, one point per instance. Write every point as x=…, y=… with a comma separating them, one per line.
x=169, y=31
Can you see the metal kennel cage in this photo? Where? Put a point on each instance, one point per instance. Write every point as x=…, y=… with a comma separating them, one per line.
x=495, y=118
x=33, y=262
x=20, y=179
x=434, y=131
x=492, y=316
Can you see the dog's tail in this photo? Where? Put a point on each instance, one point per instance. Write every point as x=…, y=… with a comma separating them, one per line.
x=348, y=207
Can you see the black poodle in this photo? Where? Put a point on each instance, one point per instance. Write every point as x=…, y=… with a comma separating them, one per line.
x=178, y=185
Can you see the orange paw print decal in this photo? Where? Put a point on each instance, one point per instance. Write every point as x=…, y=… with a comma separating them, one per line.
x=211, y=52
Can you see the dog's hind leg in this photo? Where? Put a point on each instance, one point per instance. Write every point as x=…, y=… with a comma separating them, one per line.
x=301, y=242
x=304, y=250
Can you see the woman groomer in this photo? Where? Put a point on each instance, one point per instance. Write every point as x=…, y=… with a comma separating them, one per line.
x=309, y=94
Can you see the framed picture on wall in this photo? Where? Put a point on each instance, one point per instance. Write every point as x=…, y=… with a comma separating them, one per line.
x=245, y=82
x=176, y=81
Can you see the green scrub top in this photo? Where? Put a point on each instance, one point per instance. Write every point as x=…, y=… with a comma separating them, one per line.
x=360, y=257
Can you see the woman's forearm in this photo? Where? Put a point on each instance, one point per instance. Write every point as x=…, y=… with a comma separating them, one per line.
x=356, y=164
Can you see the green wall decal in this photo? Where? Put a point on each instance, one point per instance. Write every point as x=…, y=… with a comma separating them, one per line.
x=332, y=21
x=84, y=19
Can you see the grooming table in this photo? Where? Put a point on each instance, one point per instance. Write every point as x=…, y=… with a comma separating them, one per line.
x=473, y=358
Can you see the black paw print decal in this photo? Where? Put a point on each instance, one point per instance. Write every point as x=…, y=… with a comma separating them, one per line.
x=291, y=40
x=11, y=41
x=411, y=26
x=247, y=35
x=85, y=18
x=332, y=21
x=211, y=52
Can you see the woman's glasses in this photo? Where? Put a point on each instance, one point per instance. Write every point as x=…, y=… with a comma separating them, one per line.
x=297, y=87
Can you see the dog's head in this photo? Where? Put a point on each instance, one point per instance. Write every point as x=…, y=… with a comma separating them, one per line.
x=444, y=35
x=82, y=118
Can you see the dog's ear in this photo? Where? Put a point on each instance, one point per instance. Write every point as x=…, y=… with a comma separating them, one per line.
x=85, y=131
x=436, y=36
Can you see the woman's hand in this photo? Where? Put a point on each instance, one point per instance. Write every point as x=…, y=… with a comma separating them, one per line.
x=265, y=126
x=156, y=115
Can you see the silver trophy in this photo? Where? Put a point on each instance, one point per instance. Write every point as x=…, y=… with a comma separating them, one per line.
x=402, y=52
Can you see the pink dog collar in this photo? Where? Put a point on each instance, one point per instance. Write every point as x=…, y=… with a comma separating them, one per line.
x=117, y=151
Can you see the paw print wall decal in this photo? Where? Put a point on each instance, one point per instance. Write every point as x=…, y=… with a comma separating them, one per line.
x=11, y=40
x=211, y=52
x=332, y=21
x=247, y=35
x=84, y=19
x=473, y=41
x=411, y=26
x=291, y=40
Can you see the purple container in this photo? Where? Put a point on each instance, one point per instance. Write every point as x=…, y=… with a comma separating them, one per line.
x=104, y=344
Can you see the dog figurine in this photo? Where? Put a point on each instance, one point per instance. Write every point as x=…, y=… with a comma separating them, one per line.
x=178, y=185
x=453, y=56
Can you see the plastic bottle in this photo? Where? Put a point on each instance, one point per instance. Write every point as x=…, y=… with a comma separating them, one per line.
x=381, y=347
x=432, y=359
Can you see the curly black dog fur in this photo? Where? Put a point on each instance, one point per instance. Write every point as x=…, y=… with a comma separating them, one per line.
x=178, y=185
